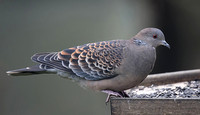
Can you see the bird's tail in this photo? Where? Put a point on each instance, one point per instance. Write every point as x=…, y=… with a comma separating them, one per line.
x=27, y=71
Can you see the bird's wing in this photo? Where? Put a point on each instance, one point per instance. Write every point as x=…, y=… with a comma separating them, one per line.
x=92, y=61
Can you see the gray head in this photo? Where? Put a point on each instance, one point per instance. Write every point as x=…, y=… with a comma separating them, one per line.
x=152, y=36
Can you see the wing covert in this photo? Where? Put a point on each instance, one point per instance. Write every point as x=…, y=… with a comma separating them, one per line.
x=92, y=61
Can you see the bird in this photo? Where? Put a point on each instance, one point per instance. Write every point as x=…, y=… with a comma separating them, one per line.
x=107, y=66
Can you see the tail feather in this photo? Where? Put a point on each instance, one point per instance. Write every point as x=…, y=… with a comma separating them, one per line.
x=27, y=71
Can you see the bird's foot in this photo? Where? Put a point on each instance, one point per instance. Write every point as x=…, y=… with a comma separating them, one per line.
x=118, y=94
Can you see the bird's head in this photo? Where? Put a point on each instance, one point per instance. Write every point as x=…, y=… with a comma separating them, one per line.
x=152, y=36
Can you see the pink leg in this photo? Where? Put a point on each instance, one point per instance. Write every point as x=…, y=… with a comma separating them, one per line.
x=119, y=94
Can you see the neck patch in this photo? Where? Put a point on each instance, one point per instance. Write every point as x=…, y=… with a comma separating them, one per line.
x=139, y=42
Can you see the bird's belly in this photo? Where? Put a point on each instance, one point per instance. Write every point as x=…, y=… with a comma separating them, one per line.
x=118, y=83
x=124, y=83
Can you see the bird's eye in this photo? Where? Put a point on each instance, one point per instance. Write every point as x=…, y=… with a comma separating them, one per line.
x=155, y=36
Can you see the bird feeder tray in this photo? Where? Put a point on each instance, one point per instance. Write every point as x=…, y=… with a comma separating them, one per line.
x=159, y=106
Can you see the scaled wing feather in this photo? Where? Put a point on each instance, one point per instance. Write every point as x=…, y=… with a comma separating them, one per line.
x=92, y=61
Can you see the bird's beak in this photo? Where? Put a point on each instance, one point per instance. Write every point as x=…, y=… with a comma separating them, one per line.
x=164, y=43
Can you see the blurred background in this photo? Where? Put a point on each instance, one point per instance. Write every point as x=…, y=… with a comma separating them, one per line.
x=31, y=26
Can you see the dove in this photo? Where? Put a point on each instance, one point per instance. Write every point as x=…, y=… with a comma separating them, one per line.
x=107, y=66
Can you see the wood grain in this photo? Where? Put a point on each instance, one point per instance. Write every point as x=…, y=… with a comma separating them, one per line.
x=155, y=106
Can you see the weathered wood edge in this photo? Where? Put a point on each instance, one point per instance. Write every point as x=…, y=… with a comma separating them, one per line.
x=152, y=106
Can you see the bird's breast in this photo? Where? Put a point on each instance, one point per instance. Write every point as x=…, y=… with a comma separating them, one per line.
x=138, y=62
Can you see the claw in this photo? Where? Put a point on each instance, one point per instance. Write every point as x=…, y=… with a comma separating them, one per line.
x=118, y=94
x=107, y=99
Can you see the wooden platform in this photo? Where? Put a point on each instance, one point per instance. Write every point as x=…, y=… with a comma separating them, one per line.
x=120, y=106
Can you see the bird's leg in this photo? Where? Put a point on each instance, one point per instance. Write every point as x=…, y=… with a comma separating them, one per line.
x=119, y=94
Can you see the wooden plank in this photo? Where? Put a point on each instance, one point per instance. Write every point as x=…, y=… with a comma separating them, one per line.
x=171, y=77
x=155, y=106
